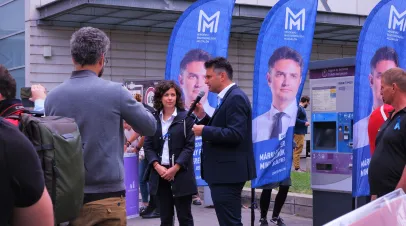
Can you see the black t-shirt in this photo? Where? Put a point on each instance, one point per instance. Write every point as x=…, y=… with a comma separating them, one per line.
x=21, y=175
x=389, y=158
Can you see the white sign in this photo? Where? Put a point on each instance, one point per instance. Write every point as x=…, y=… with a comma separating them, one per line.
x=396, y=19
x=292, y=19
x=324, y=99
x=206, y=22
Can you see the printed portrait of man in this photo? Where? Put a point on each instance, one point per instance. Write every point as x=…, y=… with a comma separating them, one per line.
x=284, y=78
x=384, y=59
x=192, y=78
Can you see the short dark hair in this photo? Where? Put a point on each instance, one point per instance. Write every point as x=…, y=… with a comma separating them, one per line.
x=395, y=75
x=161, y=88
x=192, y=56
x=220, y=63
x=304, y=99
x=8, y=85
x=384, y=53
x=285, y=53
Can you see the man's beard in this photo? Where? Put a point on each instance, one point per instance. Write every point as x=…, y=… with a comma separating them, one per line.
x=305, y=106
x=101, y=72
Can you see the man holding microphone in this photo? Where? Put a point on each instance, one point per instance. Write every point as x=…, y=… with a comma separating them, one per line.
x=227, y=153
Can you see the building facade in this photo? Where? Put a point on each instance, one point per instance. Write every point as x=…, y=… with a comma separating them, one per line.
x=35, y=45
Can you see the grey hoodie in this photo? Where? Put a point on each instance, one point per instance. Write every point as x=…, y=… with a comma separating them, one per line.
x=98, y=107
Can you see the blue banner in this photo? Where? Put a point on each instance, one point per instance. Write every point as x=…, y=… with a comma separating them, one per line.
x=381, y=47
x=201, y=33
x=282, y=55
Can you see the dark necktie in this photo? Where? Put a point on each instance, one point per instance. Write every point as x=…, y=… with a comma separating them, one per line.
x=277, y=125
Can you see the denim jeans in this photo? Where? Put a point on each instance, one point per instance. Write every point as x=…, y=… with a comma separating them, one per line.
x=143, y=184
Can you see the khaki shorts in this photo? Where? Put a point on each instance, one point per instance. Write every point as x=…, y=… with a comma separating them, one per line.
x=105, y=212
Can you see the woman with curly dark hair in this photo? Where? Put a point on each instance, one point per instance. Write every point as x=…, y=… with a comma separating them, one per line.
x=170, y=155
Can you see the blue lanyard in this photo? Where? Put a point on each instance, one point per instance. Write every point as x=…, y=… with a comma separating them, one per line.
x=166, y=136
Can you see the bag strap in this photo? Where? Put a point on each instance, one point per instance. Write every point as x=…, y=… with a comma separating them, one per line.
x=13, y=109
x=13, y=117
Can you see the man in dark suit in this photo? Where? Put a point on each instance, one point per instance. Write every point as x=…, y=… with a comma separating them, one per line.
x=227, y=155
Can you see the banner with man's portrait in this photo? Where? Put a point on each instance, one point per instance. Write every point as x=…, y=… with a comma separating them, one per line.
x=201, y=33
x=380, y=47
x=282, y=55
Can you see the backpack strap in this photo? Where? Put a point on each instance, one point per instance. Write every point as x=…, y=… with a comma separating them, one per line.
x=13, y=119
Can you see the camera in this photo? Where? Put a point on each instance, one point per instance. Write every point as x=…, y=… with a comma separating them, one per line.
x=25, y=95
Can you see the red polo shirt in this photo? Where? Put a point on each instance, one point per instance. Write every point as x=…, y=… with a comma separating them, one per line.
x=376, y=119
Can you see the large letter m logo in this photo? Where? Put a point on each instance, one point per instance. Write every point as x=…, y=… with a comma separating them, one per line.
x=396, y=19
x=205, y=22
x=297, y=20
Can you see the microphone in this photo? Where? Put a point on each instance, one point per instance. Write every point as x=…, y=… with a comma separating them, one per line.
x=193, y=106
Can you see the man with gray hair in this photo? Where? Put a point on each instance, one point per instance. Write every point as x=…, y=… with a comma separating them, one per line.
x=99, y=107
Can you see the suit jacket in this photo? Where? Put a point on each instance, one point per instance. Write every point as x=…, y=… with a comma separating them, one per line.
x=227, y=153
x=181, y=145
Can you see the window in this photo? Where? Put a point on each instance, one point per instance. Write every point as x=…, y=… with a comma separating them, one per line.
x=12, y=51
x=13, y=17
x=12, y=39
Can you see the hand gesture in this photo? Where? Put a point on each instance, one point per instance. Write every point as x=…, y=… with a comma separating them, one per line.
x=198, y=130
x=160, y=170
x=199, y=111
x=38, y=93
x=169, y=175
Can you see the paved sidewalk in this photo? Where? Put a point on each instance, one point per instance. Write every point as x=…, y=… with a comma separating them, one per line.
x=207, y=217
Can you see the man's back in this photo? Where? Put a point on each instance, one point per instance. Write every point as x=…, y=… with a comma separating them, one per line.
x=98, y=107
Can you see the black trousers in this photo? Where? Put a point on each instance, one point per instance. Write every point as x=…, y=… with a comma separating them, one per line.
x=280, y=199
x=182, y=204
x=227, y=203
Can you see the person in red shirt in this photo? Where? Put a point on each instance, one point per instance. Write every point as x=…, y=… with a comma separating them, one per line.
x=376, y=119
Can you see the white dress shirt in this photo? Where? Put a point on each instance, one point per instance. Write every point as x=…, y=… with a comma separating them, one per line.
x=208, y=109
x=223, y=92
x=360, y=131
x=165, y=126
x=39, y=105
x=263, y=124
x=220, y=97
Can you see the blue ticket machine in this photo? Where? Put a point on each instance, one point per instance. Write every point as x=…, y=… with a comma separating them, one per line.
x=332, y=95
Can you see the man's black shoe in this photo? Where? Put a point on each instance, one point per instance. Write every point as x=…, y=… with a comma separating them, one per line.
x=263, y=222
x=153, y=214
x=142, y=209
x=147, y=210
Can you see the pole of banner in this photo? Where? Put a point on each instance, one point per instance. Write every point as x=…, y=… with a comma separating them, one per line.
x=354, y=203
x=253, y=205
